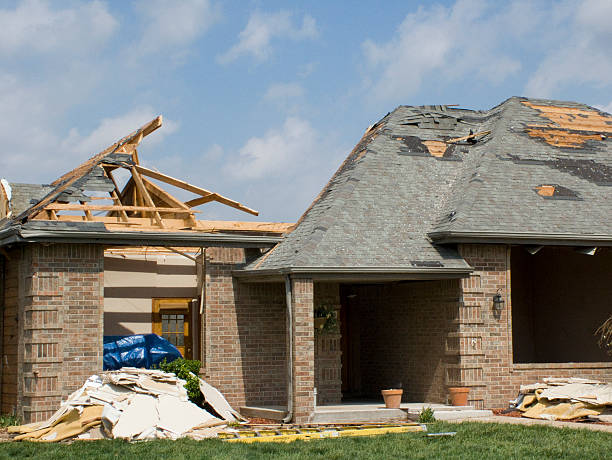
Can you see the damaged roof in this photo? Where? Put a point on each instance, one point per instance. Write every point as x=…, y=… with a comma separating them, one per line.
x=425, y=176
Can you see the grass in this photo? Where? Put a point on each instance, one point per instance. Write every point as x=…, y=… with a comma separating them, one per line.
x=473, y=440
x=9, y=420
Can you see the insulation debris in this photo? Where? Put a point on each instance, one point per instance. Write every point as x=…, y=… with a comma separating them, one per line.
x=133, y=404
x=564, y=399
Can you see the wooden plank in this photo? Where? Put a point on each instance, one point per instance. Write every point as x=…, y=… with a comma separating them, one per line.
x=145, y=195
x=86, y=208
x=167, y=198
x=104, y=207
x=194, y=189
x=115, y=194
x=71, y=177
x=145, y=223
x=469, y=136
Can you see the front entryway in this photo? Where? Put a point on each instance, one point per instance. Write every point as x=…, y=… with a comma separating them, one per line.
x=172, y=320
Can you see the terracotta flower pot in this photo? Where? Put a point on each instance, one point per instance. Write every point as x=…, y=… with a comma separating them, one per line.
x=392, y=398
x=319, y=323
x=459, y=395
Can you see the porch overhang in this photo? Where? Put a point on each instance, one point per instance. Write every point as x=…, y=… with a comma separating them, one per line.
x=352, y=274
x=16, y=235
x=539, y=239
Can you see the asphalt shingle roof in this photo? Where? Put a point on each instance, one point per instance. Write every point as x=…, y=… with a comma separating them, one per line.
x=542, y=167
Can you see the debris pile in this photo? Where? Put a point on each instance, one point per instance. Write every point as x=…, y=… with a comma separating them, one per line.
x=565, y=399
x=133, y=404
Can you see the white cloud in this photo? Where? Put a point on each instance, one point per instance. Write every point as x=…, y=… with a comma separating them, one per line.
x=446, y=44
x=581, y=52
x=110, y=130
x=284, y=149
x=255, y=39
x=285, y=95
x=35, y=26
x=177, y=23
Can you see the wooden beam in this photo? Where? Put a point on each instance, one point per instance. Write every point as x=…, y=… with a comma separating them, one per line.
x=193, y=188
x=469, y=136
x=143, y=224
x=181, y=253
x=164, y=196
x=198, y=201
x=145, y=195
x=86, y=208
x=103, y=207
x=115, y=194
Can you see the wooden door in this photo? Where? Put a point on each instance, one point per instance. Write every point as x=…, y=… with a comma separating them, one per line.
x=172, y=321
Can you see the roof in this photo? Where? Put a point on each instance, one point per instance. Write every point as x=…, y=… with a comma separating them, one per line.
x=86, y=204
x=25, y=195
x=429, y=175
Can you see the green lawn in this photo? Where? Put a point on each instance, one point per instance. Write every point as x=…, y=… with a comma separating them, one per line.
x=473, y=440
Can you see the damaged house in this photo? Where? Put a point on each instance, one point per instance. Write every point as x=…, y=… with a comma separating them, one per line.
x=451, y=248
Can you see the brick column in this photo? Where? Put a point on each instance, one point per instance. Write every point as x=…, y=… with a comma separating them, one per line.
x=303, y=348
x=61, y=308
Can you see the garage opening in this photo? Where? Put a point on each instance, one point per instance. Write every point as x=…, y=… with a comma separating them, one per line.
x=560, y=296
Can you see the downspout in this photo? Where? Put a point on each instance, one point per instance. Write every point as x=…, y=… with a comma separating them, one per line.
x=288, y=295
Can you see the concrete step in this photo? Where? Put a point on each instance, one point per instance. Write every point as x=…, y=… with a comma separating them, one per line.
x=272, y=413
x=461, y=414
x=357, y=415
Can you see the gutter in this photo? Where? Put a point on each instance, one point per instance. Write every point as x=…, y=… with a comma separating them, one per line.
x=288, y=295
x=539, y=239
x=356, y=273
x=13, y=235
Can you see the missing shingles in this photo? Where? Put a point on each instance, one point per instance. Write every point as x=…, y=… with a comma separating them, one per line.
x=427, y=263
x=556, y=192
x=590, y=170
x=414, y=146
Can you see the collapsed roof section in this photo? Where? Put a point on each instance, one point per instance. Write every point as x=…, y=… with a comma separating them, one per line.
x=88, y=199
x=525, y=171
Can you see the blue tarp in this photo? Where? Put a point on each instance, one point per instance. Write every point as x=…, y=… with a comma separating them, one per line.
x=142, y=350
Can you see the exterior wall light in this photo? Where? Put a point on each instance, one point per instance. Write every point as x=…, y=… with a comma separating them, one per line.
x=498, y=304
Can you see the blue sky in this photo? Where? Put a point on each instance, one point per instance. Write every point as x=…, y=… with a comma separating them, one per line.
x=262, y=100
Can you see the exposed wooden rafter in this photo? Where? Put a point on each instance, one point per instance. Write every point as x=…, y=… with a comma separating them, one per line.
x=142, y=204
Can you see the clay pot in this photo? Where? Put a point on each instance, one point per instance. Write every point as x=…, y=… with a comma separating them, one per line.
x=319, y=323
x=459, y=395
x=392, y=398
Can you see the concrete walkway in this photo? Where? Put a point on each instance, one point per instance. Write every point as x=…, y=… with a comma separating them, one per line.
x=377, y=412
x=531, y=422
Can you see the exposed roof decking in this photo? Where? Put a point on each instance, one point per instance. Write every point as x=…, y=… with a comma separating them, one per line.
x=536, y=168
x=375, y=212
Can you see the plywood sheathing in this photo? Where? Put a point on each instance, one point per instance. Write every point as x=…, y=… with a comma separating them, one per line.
x=570, y=126
x=436, y=148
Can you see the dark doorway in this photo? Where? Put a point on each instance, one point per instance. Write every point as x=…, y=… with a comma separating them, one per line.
x=350, y=342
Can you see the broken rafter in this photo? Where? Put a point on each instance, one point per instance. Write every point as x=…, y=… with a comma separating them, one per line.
x=164, y=196
x=469, y=136
x=115, y=194
x=94, y=207
x=145, y=195
x=194, y=189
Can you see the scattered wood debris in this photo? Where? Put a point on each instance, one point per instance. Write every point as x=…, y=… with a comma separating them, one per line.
x=565, y=399
x=133, y=404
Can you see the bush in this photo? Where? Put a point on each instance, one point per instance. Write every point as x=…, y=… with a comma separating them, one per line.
x=9, y=420
x=186, y=369
x=427, y=415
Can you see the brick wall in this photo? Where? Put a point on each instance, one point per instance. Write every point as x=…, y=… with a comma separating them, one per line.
x=60, y=323
x=405, y=334
x=485, y=341
x=303, y=348
x=10, y=339
x=328, y=353
x=243, y=334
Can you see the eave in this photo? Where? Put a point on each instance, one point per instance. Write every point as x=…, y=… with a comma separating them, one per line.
x=540, y=239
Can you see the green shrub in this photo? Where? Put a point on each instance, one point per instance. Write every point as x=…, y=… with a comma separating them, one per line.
x=427, y=415
x=186, y=369
x=9, y=420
